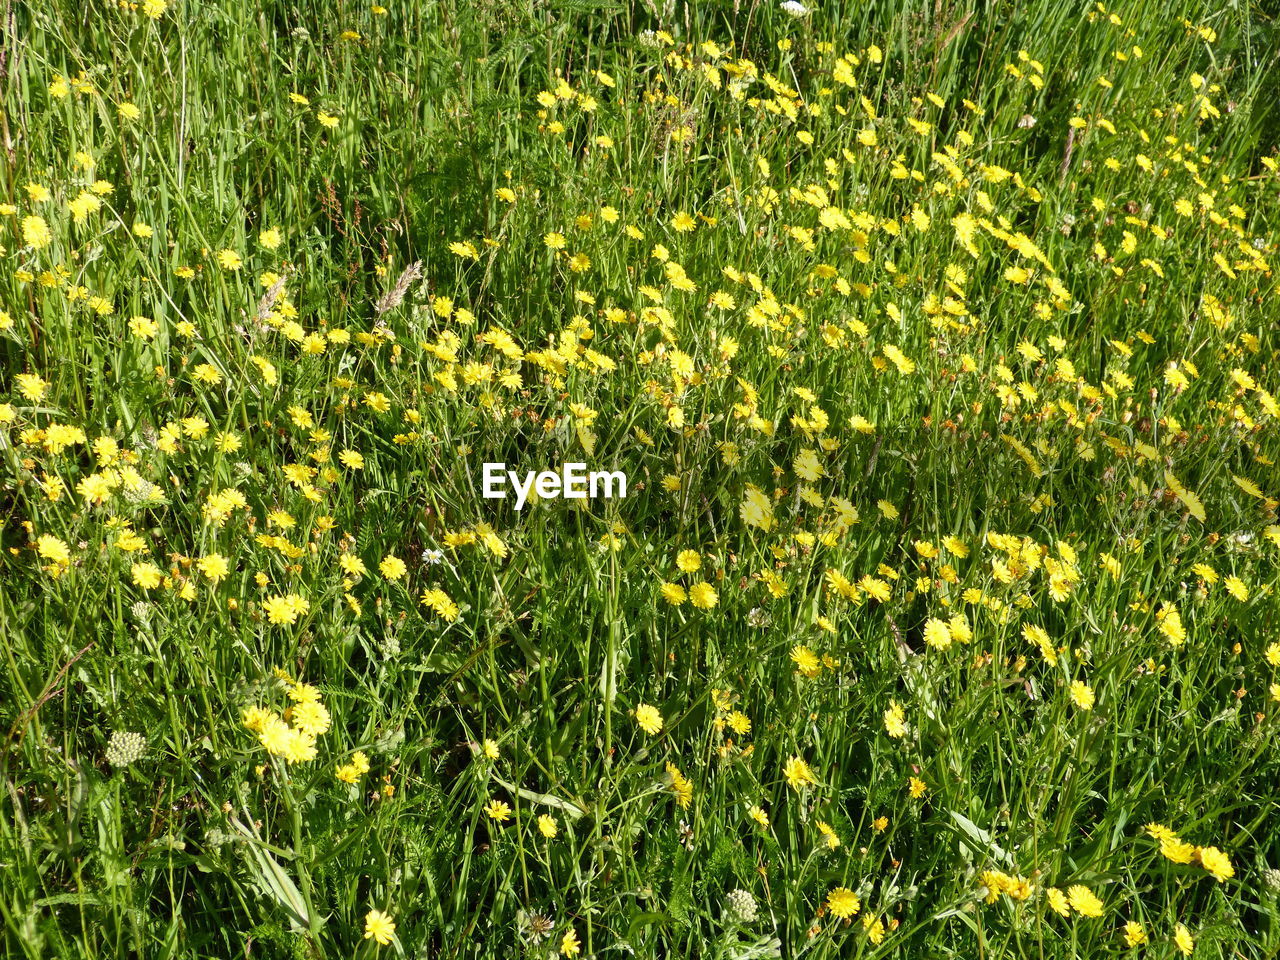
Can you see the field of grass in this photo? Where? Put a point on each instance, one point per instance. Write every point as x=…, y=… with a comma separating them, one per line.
x=938, y=343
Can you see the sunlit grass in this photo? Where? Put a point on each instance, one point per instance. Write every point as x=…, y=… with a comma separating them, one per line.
x=938, y=347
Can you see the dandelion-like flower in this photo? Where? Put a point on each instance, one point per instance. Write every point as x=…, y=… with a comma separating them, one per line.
x=1084, y=901
x=843, y=903
x=498, y=810
x=1134, y=934
x=1216, y=862
x=570, y=946
x=379, y=927
x=1183, y=940
x=649, y=719
x=36, y=232
x=1082, y=695
x=798, y=773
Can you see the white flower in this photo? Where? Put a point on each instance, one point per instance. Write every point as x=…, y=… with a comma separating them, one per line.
x=432, y=556
x=125, y=748
x=795, y=9
x=740, y=907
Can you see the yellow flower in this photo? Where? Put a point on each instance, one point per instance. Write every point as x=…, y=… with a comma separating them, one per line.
x=875, y=929
x=703, y=596
x=547, y=826
x=1236, y=587
x=146, y=575
x=497, y=810
x=32, y=386
x=1058, y=901
x=843, y=903
x=1134, y=934
x=35, y=232
x=206, y=373
x=1216, y=862
x=1171, y=845
x=214, y=566
x=806, y=661
x=683, y=223
x=310, y=717
x=1082, y=695
x=1171, y=626
x=875, y=588
x=757, y=510
x=673, y=593
x=798, y=773
x=279, y=739
x=285, y=610
x=392, y=567
x=355, y=769
x=1084, y=901
x=1019, y=887
x=681, y=785
x=569, y=945
x=688, y=561
x=441, y=604
x=829, y=833
x=53, y=549
x=1183, y=940
x=255, y=719
x=298, y=691
x=649, y=718
x=895, y=720
x=229, y=260
x=379, y=927
x=937, y=634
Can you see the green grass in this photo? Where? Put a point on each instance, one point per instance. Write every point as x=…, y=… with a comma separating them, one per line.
x=1054, y=419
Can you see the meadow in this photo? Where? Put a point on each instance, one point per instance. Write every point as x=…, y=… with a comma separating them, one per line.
x=937, y=341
